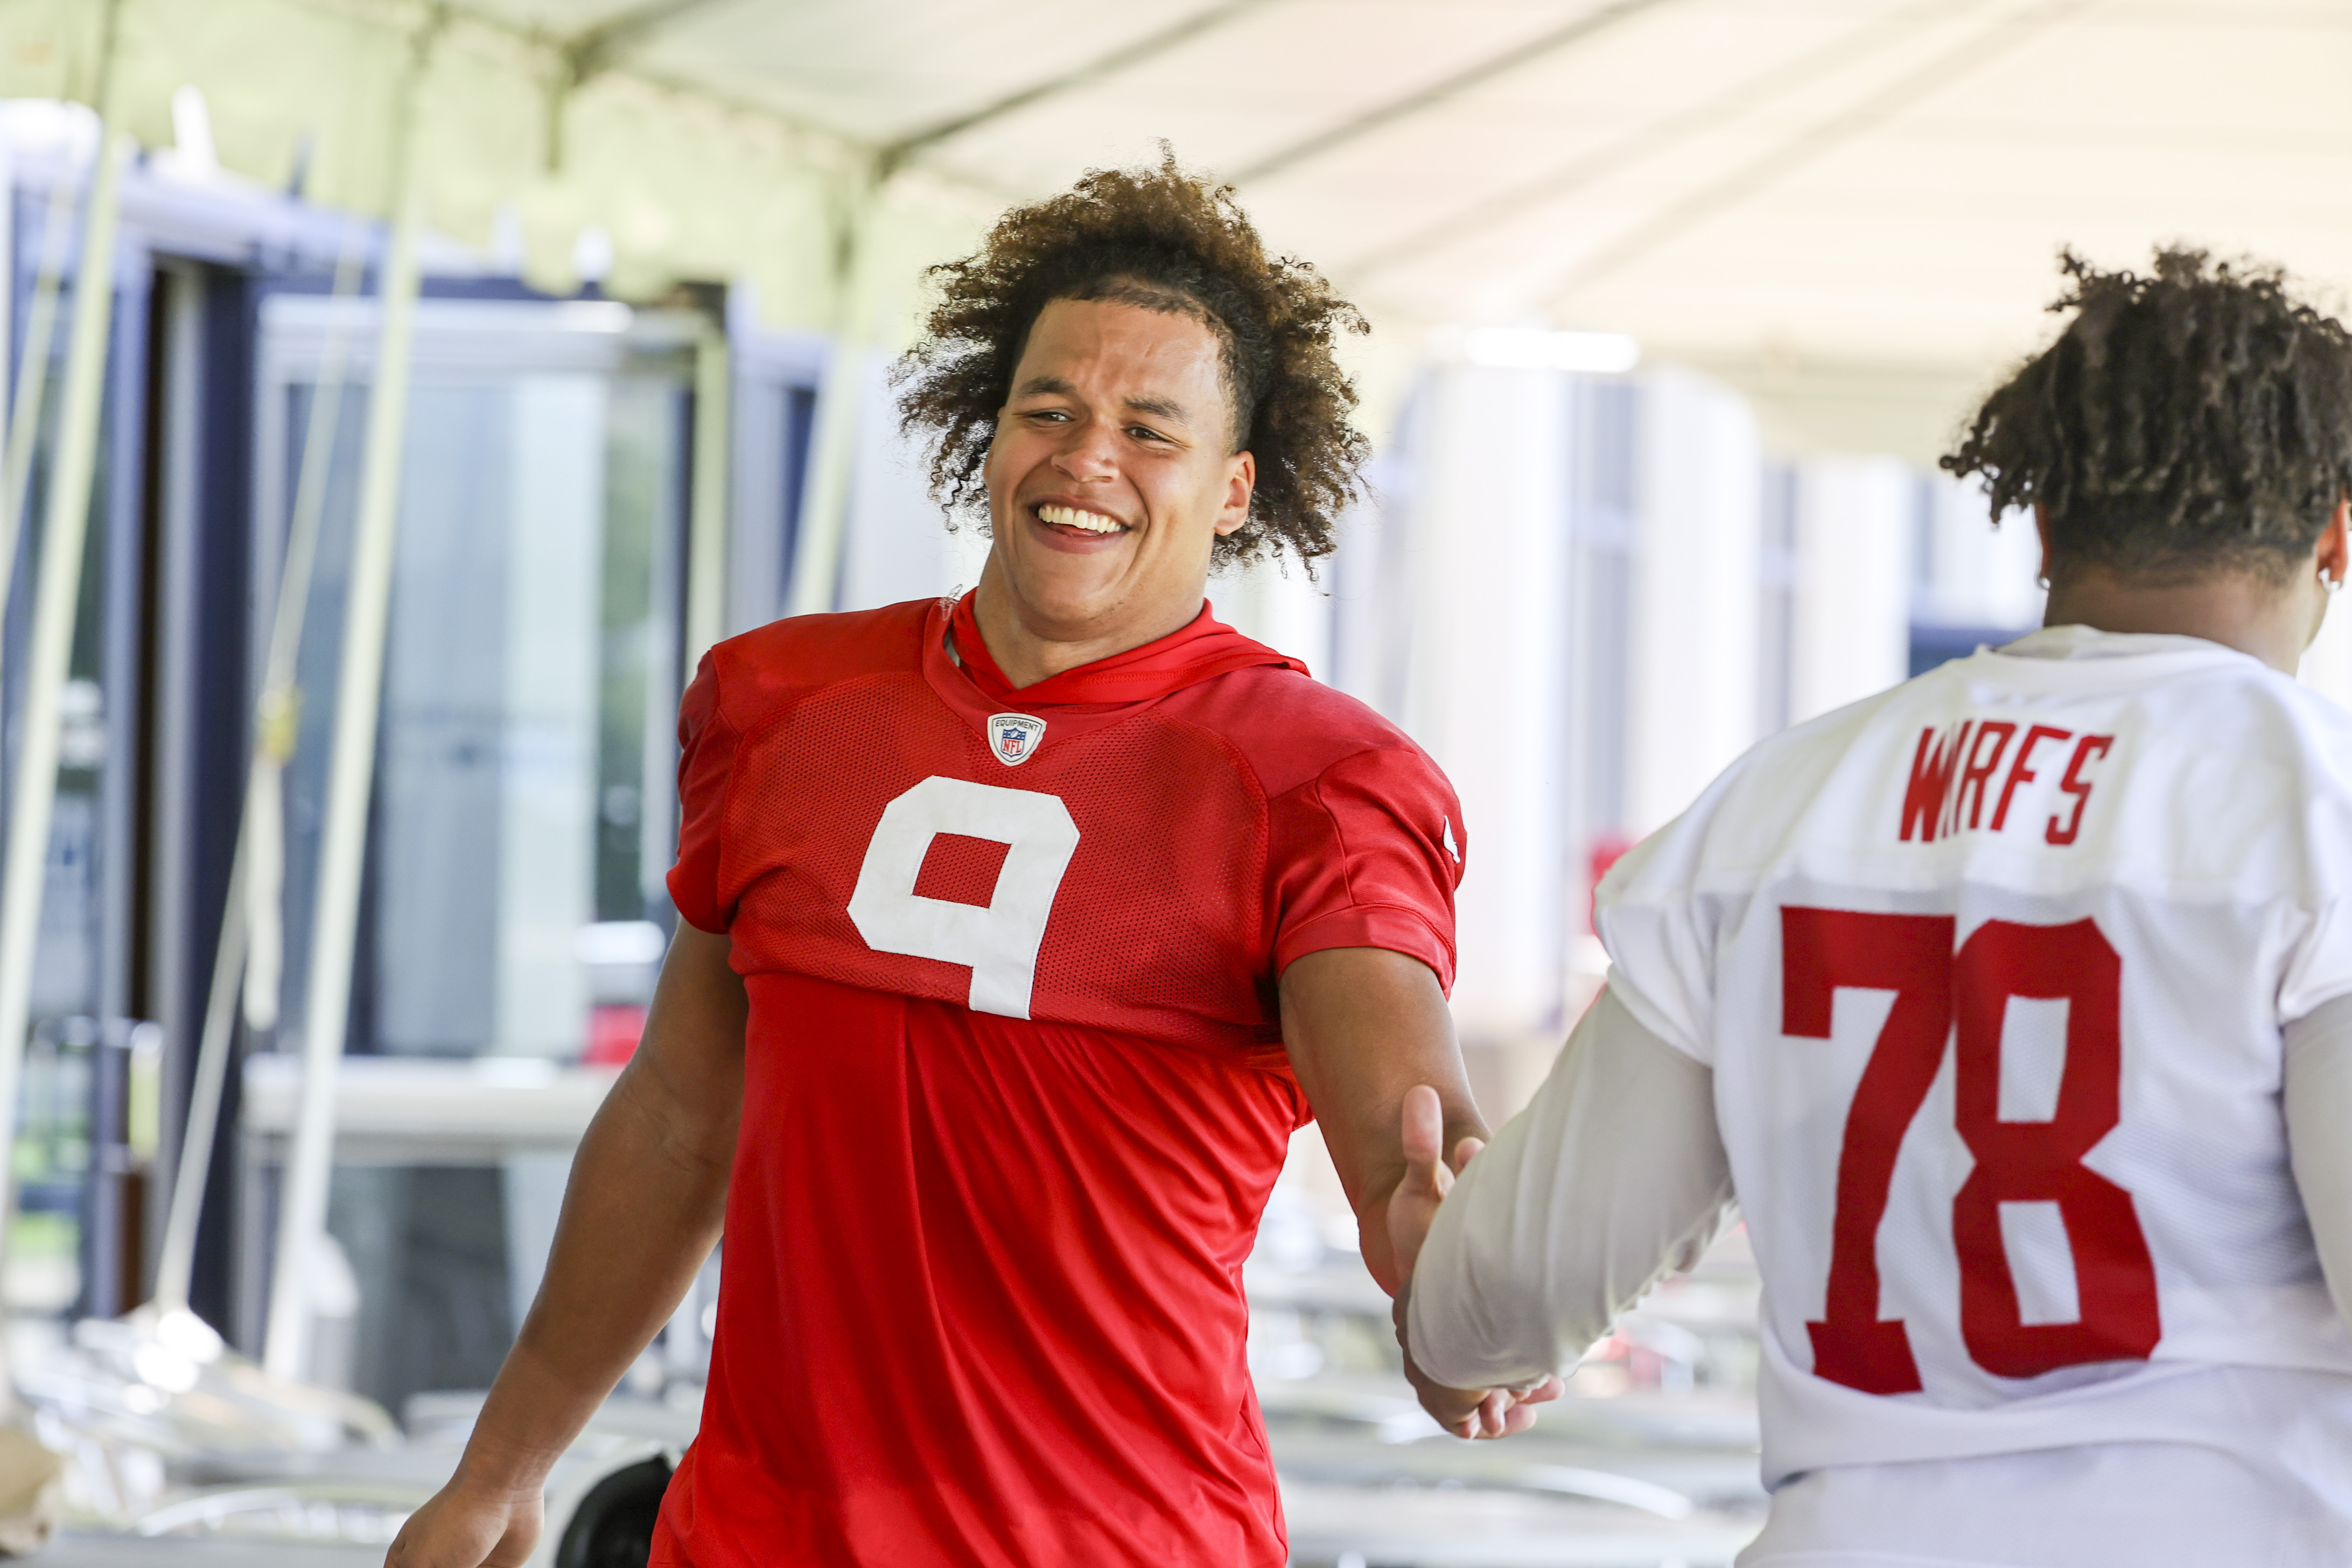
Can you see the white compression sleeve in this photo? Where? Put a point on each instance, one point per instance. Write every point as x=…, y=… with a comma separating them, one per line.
x=2318, y=1098
x=1613, y=1175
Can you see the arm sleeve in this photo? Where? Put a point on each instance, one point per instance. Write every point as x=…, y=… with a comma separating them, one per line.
x=1367, y=854
x=2317, y=1094
x=1612, y=1176
x=706, y=760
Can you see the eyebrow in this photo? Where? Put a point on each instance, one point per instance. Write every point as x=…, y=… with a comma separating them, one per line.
x=1054, y=385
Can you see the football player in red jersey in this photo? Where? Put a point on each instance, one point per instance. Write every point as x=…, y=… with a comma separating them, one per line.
x=1020, y=932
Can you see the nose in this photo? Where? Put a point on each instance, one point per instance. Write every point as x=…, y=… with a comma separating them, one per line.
x=1087, y=452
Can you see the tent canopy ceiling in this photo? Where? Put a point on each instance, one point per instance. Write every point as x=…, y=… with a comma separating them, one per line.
x=1866, y=188
x=1851, y=208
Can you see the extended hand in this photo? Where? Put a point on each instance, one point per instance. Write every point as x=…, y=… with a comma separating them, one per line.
x=1412, y=1209
x=1412, y=1206
x=1476, y=1412
x=469, y=1527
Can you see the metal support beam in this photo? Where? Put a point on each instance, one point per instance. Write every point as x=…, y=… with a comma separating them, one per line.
x=594, y=50
x=895, y=155
x=598, y=49
x=1591, y=25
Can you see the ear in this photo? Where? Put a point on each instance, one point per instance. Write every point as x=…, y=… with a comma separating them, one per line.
x=2331, y=555
x=1241, y=484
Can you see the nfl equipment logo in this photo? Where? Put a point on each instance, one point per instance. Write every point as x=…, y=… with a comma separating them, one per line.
x=1014, y=737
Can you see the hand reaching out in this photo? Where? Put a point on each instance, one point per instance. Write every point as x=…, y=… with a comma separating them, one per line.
x=1411, y=1210
x=1412, y=1207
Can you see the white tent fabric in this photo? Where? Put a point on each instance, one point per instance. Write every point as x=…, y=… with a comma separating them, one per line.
x=1849, y=208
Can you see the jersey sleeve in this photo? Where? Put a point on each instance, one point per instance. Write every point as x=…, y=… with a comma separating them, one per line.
x=706, y=761
x=1660, y=938
x=1368, y=854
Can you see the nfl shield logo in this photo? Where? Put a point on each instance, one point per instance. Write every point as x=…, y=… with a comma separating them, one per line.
x=1014, y=737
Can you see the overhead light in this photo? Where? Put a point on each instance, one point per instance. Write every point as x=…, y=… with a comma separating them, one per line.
x=1535, y=348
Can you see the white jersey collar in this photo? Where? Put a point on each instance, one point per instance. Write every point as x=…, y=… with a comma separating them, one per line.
x=2071, y=642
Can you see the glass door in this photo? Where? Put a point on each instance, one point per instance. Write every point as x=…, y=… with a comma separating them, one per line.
x=523, y=803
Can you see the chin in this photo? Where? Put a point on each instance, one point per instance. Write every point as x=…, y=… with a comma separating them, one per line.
x=1069, y=596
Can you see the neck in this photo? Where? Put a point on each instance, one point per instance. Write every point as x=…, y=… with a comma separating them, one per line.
x=1028, y=649
x=2269, y=620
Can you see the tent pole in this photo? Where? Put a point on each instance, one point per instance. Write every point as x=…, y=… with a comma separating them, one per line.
x=273, y=743
x=351, y=773
x=175, y=1264
x=33, y=379
x=57, y=596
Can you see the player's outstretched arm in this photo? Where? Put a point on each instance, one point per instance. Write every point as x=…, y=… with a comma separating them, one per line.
x=1372, y=1043
x=1364, y=1027
x=2317, y=1094
x=1614, y=1174
x=641, y=1214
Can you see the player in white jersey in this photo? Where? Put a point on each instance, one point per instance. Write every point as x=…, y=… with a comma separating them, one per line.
x=2012, y=1008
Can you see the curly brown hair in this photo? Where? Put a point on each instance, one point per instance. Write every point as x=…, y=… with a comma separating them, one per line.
x=1167, y=240
x=2197, y=417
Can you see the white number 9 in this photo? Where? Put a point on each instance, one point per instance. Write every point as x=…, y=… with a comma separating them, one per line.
x=999, y=943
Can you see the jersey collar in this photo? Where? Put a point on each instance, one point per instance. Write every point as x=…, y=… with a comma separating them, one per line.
x=2071, y=640
x=958, y=667
x=1202, y=648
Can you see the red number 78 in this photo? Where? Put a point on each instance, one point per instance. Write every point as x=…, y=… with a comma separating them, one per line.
x=1940, y=994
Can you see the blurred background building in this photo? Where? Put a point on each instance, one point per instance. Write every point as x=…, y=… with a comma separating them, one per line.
x=1675, y=303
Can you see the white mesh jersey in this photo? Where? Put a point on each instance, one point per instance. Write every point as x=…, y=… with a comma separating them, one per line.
x=1991, y=970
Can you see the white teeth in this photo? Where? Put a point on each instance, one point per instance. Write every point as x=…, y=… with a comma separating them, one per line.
x=1071, y=517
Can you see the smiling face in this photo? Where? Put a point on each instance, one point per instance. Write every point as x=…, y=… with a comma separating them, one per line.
x=1111, y=474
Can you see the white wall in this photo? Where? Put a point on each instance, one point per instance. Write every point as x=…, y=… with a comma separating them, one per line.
x=1855, y=519
x=1275, y=603
x=1692, y=677
x=1487, y=690
x=897, y=545
x=2327, y=663
x=1976, y=574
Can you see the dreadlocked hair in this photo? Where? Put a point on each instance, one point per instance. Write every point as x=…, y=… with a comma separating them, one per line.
x=2196, y=418
x=1165, y=240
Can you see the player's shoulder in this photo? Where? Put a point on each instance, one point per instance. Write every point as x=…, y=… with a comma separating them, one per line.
x=2255, y=710
x=764, y=671
x=1292, y=728
x=2230, y=717
x=1740, y=820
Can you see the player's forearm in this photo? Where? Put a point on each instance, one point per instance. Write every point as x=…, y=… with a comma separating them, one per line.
x=1614, y=1174
x=639, y=1217
x=641, y=1212
x=1364, y=1026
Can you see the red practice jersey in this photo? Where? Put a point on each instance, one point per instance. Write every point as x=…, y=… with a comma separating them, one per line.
x=1015, y=1089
